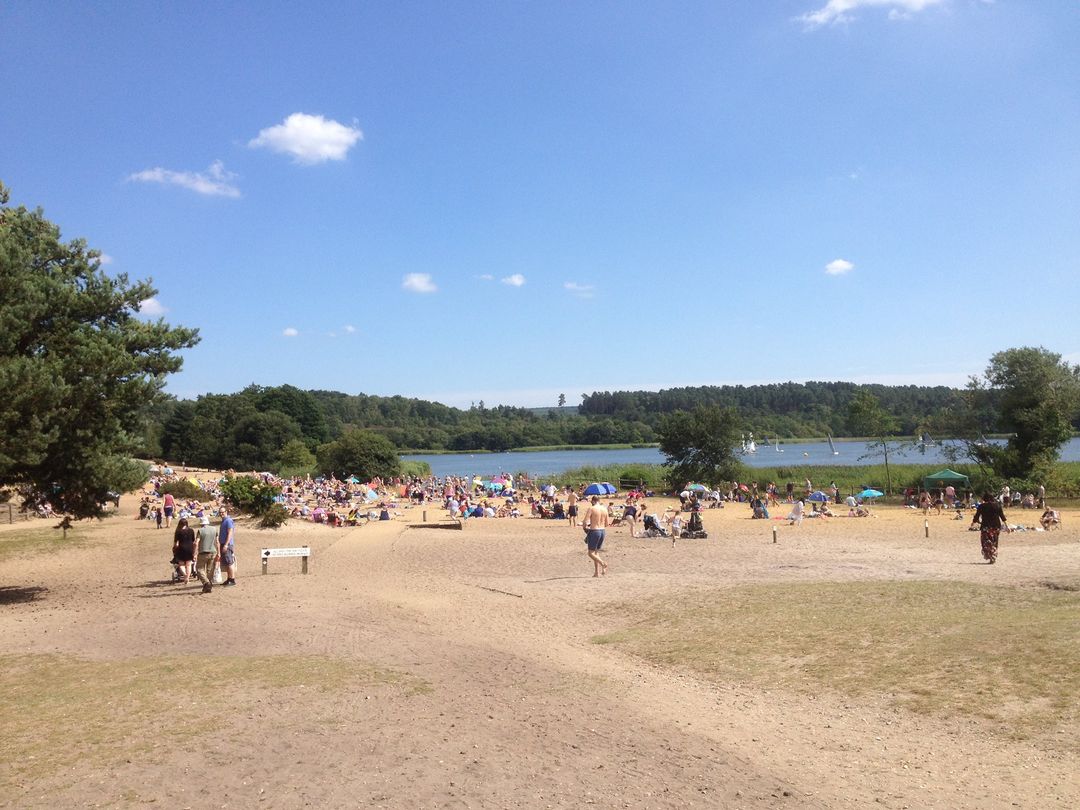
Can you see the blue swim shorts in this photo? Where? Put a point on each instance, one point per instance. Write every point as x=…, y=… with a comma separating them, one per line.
x=594, y=539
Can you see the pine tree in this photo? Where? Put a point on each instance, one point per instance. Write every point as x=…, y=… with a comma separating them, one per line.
x=78, y=369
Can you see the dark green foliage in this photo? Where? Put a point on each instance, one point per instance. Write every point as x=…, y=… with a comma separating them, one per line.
x=360, y=453
x=785, y=409
x=275, y=516
x=1029, y=393
x=295, y=459
x=78, y=370
x=700, y=445
x=183, y=488
x=249, y=494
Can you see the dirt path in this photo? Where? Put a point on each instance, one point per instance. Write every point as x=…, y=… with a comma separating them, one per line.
x=505, y=700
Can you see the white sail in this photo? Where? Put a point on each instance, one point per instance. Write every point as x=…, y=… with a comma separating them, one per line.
x=751, y=446
x=831, y=447
x=776, y=444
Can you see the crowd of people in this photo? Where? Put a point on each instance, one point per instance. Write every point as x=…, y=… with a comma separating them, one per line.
x=201, y=552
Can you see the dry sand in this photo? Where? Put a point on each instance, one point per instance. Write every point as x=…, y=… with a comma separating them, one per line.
x=506, y=701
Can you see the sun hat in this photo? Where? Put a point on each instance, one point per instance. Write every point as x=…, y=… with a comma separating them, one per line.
x=204, y=520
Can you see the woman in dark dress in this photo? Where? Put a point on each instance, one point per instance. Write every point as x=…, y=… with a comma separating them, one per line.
x=184, y=548
x=990, y=517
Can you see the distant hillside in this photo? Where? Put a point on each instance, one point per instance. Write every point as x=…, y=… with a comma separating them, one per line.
x=248, y=430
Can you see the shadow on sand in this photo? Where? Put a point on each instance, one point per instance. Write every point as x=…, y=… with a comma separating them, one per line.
x=15, y=596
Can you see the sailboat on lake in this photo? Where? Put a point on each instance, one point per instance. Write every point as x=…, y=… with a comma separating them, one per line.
x=831, y=446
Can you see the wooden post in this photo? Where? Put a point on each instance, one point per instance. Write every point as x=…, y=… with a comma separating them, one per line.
x=774, y=534
x=926, y=526
x=303, y=563
x=425, y=515
x=265, y=560
x=10, y=514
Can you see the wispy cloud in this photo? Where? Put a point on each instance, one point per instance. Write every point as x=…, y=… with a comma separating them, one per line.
x=105, y=259
x=580, y=290
x=290, y=331
x=486, y=277
x=835, y=12
x=214, y=182
x=349, y=328
x=516, y=280
x=152, y=308
x=310, y=139
x=418, y=283
x=838, y=267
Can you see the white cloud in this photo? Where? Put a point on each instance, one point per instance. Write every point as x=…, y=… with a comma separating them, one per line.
x=841, y=11
x=310, y=139
x=214, y=182
x=152, y=308
x=516, y=280
x=289, y=331
x=418, y=283
x=486, y=277
x=105, y=259
x=838, y=267
x=580, y=290
x=349, y=328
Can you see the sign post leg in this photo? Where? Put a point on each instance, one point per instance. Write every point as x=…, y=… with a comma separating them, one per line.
x=303, y=563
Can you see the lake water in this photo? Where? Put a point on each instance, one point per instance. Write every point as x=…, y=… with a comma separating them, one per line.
x=551, y=462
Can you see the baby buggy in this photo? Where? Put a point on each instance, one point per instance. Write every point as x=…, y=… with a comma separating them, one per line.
x=653, y=527
x=694, y=529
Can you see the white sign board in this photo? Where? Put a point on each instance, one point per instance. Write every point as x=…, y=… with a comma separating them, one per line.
x=285, y=552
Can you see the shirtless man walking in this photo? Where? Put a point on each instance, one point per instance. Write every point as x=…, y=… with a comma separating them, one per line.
x=594, y=523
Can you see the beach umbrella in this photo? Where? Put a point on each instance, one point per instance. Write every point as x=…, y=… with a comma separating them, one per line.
x=194, y=481
x=611, y=488
x=870, y=493
x=697, y=488
x=820, y=497
x=744, y=487
x=596, y=489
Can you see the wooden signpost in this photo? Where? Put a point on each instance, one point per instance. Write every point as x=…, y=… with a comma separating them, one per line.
x=303, y=552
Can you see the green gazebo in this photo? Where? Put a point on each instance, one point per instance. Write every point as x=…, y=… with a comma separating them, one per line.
x=944, y=478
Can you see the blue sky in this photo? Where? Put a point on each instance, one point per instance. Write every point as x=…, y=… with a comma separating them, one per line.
x=508, y=201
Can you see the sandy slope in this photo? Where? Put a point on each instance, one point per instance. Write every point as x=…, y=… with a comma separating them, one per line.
x=520, y=708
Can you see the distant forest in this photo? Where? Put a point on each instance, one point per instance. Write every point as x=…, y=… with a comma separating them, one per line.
x=249, y=429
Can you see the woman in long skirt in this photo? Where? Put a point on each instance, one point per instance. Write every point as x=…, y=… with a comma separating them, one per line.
x=990, y=518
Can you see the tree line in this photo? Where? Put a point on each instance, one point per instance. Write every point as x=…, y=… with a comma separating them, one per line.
x=263, y=427
x=795, y=410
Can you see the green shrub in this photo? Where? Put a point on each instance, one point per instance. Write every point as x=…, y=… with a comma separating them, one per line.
x=274, y=517
x=420, y=469
x=249, y=494
x=183, y=488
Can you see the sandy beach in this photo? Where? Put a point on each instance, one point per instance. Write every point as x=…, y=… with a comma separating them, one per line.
x=423, y=667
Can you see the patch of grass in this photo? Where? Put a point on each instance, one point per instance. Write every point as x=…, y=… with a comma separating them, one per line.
x=39, y=538
x=58, y=710
x=1009, y=655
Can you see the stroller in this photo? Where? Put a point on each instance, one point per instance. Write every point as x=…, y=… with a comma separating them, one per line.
x=694, y=529
x=653, y=527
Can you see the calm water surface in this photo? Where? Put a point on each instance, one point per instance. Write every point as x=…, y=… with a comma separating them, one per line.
x=793, y=455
